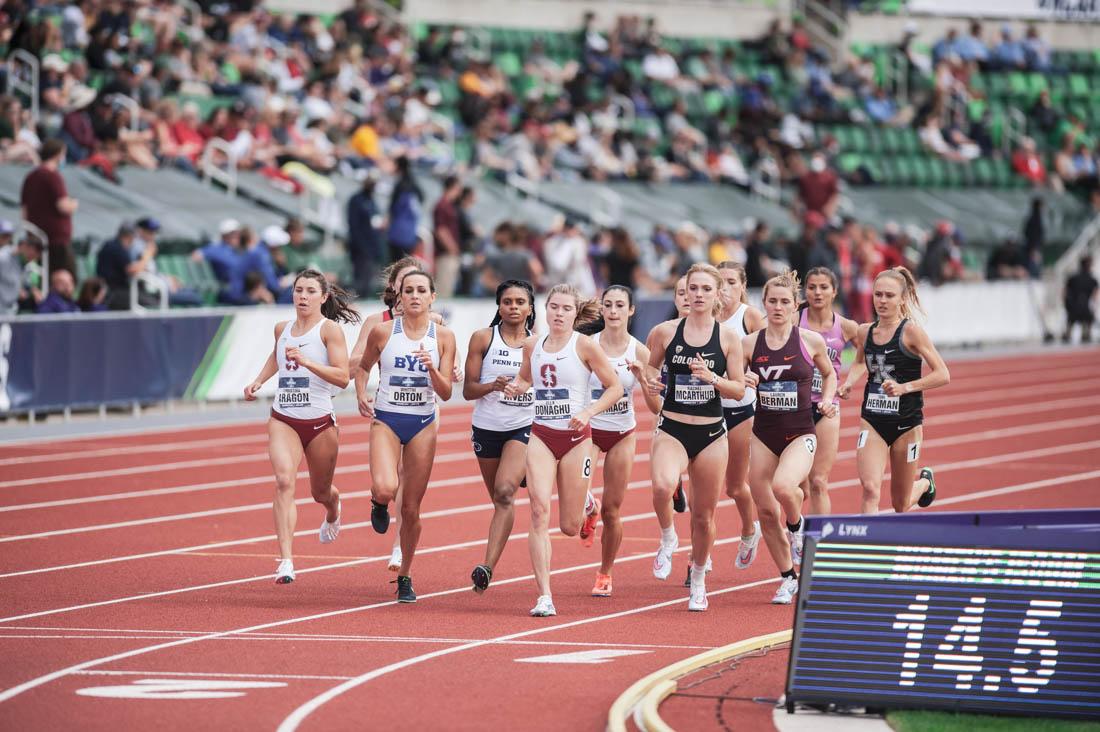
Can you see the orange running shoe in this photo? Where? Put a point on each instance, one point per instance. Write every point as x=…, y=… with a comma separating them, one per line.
x=602, y=588
x=588, y=528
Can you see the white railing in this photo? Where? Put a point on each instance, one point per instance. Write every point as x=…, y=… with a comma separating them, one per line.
x=824, y=25
x=153, y=283
x=479, y=42
x=606, y=208
x=37, y=233
x=320, y=210
x=211, y=171
x=17, y=80
x=194, y=18
x=896, y=76
x=447, y=125
x=1015, y=129
x=519, y=183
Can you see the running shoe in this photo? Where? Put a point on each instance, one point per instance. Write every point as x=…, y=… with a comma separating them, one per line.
x=602, y=588
x=687, y=579
x=395, y=559
x=481, y=576
x=929, y=494
x=379, y=516
x=544, y=608
x=662, y=563
x=588, y=528
x=679, y=498
x=284, y=575
x=746, y=549
x=329, y=532
x=796, y=538
x=788, y=588
x=697, y=601
x=405, y=589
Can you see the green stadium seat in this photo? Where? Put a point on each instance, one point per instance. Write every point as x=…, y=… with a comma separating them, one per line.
x=508, y=63
x=1078, y=86
x=1017, y=85
x=1037, y=84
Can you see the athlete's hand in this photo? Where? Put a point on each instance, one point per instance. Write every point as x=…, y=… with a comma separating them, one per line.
x=827, y=409
x=457, y=373
x=366, y=406
x=579, y=420
x=294, y=355
x=653, y=386
x=637, y=368
x=700, y=371
x=511, y=389
x=250, y=391
x=752, y=379
x=893, y=388
x=844, y=391
x=501, y=383
x=423, y=356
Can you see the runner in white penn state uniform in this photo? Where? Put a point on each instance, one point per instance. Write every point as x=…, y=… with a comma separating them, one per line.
x=501, y=424
x=416, y=363
x=613, y=430
x=559, y=366
x=310, y=358
x=742, y=319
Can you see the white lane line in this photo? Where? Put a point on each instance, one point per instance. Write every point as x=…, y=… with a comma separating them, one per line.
x=1030, y=428
x=211, y=674
x=976, y=462
x=15, y=691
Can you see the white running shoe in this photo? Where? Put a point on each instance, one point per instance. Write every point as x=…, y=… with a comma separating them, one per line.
x=796, y=538
x=662, y=563
x=395, y=559
x=329, y=532
x=697, y=602
x=746, y=549
x=284, y=575
x=544, y=608
x=788, y=588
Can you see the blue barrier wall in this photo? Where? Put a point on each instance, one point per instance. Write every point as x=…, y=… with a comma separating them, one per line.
x=52, y=362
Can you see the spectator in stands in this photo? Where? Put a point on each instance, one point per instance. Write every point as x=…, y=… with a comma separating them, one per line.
x=1064, y=174
x=690, y=247
x=882, y=109
x=758, y=263
x=447, y=236
x=60, y=299
x=117, y=261
x=172, y=149
x=1034, y=238
x=941, y=262
x=819, y=188
x=19, y=142
x=507, y=258
x=971, y=47
x=11, y=269
x=1005, y=263
x=297, y=255
x=1009, y=54
x=1027, y=163
x=365, y=243
x=622, y=263
x=93, y=293
x=46, y=203
x=406, y=202
x=894, y=245
x=566, y=256
x=1037, y=50
x=1043, y=116
x=227, y=259
x=954, y=146
x=945, y=46
x=1080, y=301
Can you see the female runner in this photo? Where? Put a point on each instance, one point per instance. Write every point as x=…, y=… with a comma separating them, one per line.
x=818, y=316
x=416, y=362
x=392, y=275
x=782, y=358
x=690, y=429
x=561, y=365
x=310, y=357
x=892, y=349
x=613, y=430
x=501, y=424
x=742, y=319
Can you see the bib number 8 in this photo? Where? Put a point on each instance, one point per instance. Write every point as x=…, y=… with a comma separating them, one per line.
x=586, y=468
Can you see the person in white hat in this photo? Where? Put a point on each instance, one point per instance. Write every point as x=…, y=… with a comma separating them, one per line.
x=266, y=257
x=228, y=261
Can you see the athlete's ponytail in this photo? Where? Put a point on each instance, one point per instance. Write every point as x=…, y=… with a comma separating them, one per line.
x=389, y=274
x=588, y=320
x=910, y=302
x=521, y=285
x=337, y=306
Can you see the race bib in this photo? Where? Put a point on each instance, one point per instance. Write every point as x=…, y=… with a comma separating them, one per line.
x=879, y=402
x=409, y=391
x=551, y=404
x=293, y=392
x=691, y=391
x=778, y=396
x=525, y=399
x=620, y=407
x=815, y=385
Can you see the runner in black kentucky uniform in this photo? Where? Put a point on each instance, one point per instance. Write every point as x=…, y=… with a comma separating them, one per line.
x=891, y=351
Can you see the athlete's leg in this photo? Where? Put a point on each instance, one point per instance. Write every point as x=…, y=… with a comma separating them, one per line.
x=668, y=460
x=737, y=470
x=321, y=459
x=416, y=469
x=574, y=478
x=285, y=450
x=794, y=466
x=507, y=475
x=616, y=474
x=385, y=452
x=707, y=472
x=541, y=467
x=828, y=439
x=871, y=457
x=762, y=465
x=904, y=489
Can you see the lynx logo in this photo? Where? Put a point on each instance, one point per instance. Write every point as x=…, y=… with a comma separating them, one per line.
x=853, y=530
x=827, y=530
x=770, y=373
x=880, y=370
x=549, y=375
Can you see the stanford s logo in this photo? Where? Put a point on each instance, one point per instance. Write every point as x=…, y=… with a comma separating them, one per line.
x=768, y=373
x=549, y=375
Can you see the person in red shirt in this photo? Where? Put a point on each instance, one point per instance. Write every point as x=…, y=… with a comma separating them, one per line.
x=1027, y=163
x=46, y=203
x=448, y=236
x=819, y=189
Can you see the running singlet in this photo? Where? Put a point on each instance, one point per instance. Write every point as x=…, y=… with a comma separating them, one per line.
x=736, y=323
x=620, y=416
x=834, y=344
x=890, y=361
x=686, y=394
x=495, y=411
x=404, y=385
x=301, y=393
x=560, y=384
x=783, y=395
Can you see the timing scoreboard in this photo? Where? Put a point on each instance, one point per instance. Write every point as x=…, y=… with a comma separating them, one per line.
x=995, y=613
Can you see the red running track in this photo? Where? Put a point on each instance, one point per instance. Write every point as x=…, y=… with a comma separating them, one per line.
x=136, y=575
